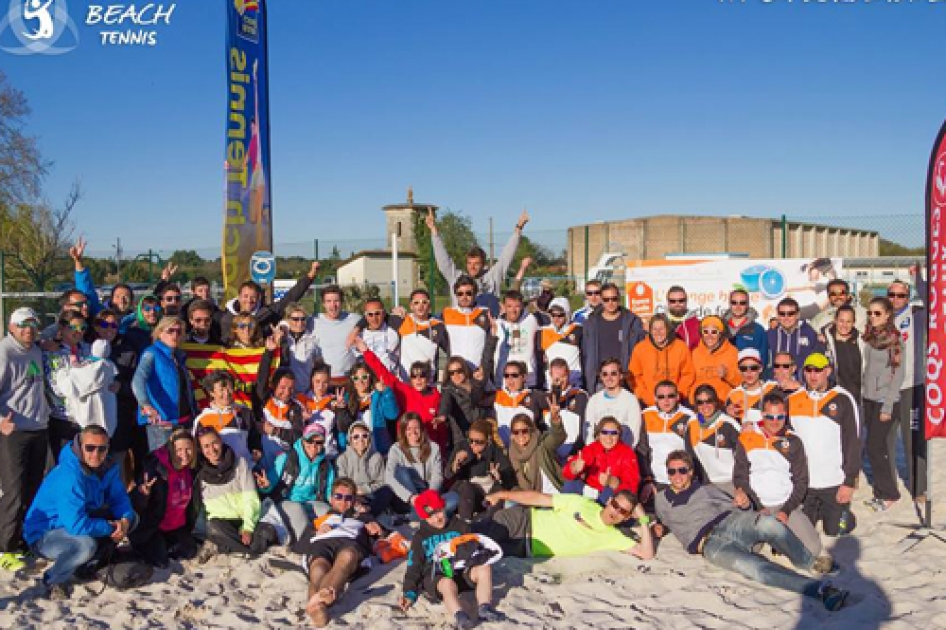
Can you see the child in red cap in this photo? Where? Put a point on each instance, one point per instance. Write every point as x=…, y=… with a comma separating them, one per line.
x=440, y=582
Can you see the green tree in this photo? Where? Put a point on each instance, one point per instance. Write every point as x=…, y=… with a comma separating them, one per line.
x=456, y=230
x=889, y=248
x=186, y=258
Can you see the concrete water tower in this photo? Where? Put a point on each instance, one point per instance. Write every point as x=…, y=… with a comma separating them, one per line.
x=401, y=218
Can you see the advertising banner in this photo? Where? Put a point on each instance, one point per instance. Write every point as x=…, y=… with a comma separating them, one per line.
x=247, y=217
x=709, y=281
x=936, y=299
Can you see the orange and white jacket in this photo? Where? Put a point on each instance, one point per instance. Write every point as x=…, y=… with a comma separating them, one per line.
x=666, y=432
x=828, y=424
x=713, y=445
x=561, y=344
x=771, y=469
x=508, y=404
x=420, y=341
x=749, y=402
x=468, y=330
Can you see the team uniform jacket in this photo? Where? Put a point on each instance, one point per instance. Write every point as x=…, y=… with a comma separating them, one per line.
x=508, y=404
x=320, y=412
x=236, y=427
x=516, y=342
x=666, y=432
x=772, y=470
x=713, y=446
x=468, y=330
x=828, y=424
x=564, y=343
x=751, y=402
x=420, y=341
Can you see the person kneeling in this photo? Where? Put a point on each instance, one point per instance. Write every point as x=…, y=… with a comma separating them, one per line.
x=333, y=547
x=423, y=572
x=705, y=521
x=227, y=491
x=81, y=509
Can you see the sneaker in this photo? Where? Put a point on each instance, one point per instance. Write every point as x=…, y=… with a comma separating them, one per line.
x=825, y=565
x=57, y=592
x=11, y=561
x=489, y=614
x=207, y=551
x=832, y=598
x=879, y=505
x=463, y=621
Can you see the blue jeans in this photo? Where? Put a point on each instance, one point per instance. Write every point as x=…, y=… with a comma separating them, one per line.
x=67, y=551
x=729, y=546
x=158, y=436
x=410, y=478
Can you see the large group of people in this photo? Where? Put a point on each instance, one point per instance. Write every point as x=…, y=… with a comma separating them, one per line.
x=500, y=421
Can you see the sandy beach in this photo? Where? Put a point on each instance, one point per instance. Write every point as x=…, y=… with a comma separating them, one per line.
x=889, y=589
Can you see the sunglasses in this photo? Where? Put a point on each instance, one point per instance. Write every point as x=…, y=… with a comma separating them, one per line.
x=617, y=508
x=374, y=313
x=360, y=436
x=705, y=401
x=610, y=299
x=837, y=293
x=338, y=496
x=666, y=396
x=740, y=303
x=420, y=302
x=148, y=308
x=302, y=318
x=678, y=471
x=318, y=441
x=107, y=325
x=775, y=416
x=750, y=368
x=783, y=366
x=556, y=314
x=710, y=331
x=520, y=432
x=455, y=371
x=876, y=313
x=30, y=323
x=611, y=373
x=611, y=432
x=592, y=293
x=464, y=293
x=890, y=294
x=512, y=375
x=360, y=377
x=244, y=326
x=78, y=327
x=418, y=374
x=477, y=442
x=78, y=304
x=171, y=298
x=812, y=368
x=95, y=448
x=787, y=313
x=683, y=301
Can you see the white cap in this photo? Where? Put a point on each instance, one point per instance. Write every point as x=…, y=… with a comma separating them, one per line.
x=23, y=315
x=749, y=353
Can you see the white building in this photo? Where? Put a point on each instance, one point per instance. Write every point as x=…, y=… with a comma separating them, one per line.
x=375, y=268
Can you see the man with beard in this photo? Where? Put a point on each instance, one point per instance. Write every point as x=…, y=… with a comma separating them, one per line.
x=684, y=327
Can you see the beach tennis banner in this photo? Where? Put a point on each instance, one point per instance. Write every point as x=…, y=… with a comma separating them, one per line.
x=709, y=281
x=248, y=217
x=242, y=364
x=936, y=298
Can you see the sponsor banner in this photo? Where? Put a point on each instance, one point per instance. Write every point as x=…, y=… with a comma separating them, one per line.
x=709, y=281
x=936, y=298
x=247, y=216
x=241, y=363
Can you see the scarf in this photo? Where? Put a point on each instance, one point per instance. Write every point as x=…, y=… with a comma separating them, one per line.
x=887, y=338
x=526, y=462
x=220, y=474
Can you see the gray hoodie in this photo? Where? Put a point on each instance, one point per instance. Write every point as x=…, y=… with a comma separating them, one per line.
x=423, y=475
x=881, y=381
x=367, y=471
x=22, y=385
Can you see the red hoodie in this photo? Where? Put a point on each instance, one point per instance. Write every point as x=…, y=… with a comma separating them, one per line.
x=621, y=460
x=426, y=404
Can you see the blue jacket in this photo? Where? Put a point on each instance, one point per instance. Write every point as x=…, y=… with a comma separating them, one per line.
x=85, y=284
x=71, y=493
x=157, y=383
x=799, y=343
x=383, y=409
x=750, y=335
x=304, y=479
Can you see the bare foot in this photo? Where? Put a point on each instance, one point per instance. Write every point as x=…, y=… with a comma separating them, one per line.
x=328, y=596
x=317, y=611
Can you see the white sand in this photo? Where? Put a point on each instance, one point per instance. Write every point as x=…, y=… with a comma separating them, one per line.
x=889, y=589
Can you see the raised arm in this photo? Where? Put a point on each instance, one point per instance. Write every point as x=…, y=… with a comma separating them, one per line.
x=529, y=498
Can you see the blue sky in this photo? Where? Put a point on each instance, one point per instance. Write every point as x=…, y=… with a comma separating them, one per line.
x=578, y=110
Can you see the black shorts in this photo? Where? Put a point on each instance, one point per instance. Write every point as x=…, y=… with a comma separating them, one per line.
x=328, y=550
x=462, y=580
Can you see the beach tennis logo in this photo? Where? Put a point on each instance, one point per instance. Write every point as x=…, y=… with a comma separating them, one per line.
x=248, y=24
x=42, y=27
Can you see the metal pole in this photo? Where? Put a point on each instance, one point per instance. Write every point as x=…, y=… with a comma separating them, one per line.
x=394, y=283
x=118, y=258
x=587, y=240
x=316, y=244
x=784, y=236
x=150, y=267
x=3, y=288
x=491, y=258
x=432, y=284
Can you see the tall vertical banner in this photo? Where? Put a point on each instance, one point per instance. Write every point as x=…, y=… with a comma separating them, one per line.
x=248, y=217
x=935, y=423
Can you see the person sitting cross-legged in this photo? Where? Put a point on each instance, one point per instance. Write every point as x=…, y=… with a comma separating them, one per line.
x=705, y=521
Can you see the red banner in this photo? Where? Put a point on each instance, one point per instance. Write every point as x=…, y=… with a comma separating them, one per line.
x=935, y=424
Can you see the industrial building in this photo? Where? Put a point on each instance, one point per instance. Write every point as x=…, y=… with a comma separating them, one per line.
x=656, y=237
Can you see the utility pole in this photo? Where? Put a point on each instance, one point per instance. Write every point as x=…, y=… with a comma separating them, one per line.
x=118, y=258
x=491, y=259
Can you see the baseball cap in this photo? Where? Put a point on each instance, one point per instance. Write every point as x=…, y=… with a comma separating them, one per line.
x=313, y=430
x=749, y=353
x=427, y=503
x=22, y=315
x=818, y=360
